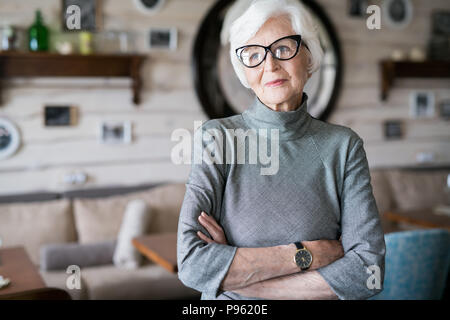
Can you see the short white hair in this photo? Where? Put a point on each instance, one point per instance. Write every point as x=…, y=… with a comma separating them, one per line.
x=255, y=14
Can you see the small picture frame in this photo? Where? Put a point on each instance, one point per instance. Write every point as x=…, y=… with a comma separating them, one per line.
x=90, y=14
x=357, y=8
x=393, y=129
x=9, y=138
x=163, y=38
x=59, y=116
x=115, y=132
x=422, y=104
x=444, y=110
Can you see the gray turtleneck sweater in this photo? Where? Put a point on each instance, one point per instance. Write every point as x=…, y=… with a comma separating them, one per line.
x=321, y=190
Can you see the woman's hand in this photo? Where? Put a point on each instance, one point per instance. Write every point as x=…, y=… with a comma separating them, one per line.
x=214, y=229
x=324, y=252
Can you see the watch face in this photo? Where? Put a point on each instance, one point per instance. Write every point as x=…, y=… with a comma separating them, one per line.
x=303, y=259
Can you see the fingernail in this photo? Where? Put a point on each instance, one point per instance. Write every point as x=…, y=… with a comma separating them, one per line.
x=203, y=214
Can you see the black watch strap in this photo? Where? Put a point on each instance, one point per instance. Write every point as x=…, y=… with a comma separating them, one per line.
x=299, y=245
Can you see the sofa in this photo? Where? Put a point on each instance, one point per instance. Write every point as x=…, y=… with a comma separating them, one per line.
x=413, y=188
x=91, y=217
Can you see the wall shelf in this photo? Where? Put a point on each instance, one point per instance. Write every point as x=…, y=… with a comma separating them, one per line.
x=390, y=70
x=23, y=64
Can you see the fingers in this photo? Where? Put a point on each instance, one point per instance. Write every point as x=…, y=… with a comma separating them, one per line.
x=203, y=237
x=210, y=225
x=213, y=231
x=211, y=220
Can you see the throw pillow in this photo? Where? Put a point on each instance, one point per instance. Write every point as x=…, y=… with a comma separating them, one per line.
x=135, y=223
x=99, y=219
x=58, y=256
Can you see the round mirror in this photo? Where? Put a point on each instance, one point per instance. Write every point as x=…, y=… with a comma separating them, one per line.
x=219, y=90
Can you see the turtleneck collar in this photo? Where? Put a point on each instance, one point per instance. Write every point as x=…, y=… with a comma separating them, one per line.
x=291, y=124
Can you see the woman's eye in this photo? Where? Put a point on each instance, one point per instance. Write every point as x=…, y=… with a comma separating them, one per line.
x=283, y=49
x=254, y=56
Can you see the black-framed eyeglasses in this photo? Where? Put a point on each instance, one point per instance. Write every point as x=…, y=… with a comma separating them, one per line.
x=284, y=48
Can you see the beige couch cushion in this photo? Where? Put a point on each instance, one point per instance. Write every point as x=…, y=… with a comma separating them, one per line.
x=100, y=219
x=419, y=189
x=148, y=282
x=36, y=223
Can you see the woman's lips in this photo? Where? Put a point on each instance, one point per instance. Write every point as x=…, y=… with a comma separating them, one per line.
x=275, y=83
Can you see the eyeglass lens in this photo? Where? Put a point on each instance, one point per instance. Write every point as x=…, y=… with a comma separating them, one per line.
x=283, y=49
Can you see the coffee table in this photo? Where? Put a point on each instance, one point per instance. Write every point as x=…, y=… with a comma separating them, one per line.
x=17, y=266
x=161, y=248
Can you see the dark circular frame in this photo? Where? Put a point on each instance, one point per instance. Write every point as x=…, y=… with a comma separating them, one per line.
x=205, y=55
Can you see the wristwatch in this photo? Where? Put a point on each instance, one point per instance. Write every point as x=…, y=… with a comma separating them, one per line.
x=303, y=257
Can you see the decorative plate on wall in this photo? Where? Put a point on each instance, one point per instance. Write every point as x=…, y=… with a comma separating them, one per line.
x=218, y=88
x=397, y=13
x=9, y=138
x=149, y=6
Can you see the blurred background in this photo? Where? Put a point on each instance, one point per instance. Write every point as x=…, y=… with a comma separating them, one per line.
x=89, y=100
x=47, y=155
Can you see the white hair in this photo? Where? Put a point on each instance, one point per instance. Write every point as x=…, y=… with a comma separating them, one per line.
x=255, y=14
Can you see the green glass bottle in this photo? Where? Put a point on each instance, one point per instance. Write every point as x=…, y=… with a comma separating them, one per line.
x=38, y=34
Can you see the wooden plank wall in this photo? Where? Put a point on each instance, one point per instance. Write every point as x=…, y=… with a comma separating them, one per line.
x=359, y=106
x=169, y=101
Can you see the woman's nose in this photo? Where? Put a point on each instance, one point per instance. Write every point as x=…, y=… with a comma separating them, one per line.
x=271, y=63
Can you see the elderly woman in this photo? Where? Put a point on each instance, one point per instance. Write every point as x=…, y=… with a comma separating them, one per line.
x=311, y=230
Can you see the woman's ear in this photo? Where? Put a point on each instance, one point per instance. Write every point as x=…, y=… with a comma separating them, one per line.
x=308, y=63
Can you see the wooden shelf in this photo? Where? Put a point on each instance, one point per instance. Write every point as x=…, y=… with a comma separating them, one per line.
x=406, y=69
x=18, y=64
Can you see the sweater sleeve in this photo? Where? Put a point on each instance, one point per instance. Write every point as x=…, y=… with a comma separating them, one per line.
x=202, y=266
x=362, y=236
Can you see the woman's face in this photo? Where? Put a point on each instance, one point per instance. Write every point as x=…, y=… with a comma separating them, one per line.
x=287, y=95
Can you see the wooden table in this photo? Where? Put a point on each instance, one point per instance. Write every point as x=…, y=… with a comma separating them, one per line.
x=422, y=218
x=17, y=266
x=160, y=248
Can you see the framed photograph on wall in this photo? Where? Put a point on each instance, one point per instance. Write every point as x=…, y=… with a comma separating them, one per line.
x=357, y=8
x=444, y=110
x=60, y=116
x=422, y=104
x=90, y=14
x=115, y=132
x=393, y=129
x=162, y=38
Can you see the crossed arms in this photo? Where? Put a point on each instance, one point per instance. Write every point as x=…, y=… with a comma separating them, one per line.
x=271, y=272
